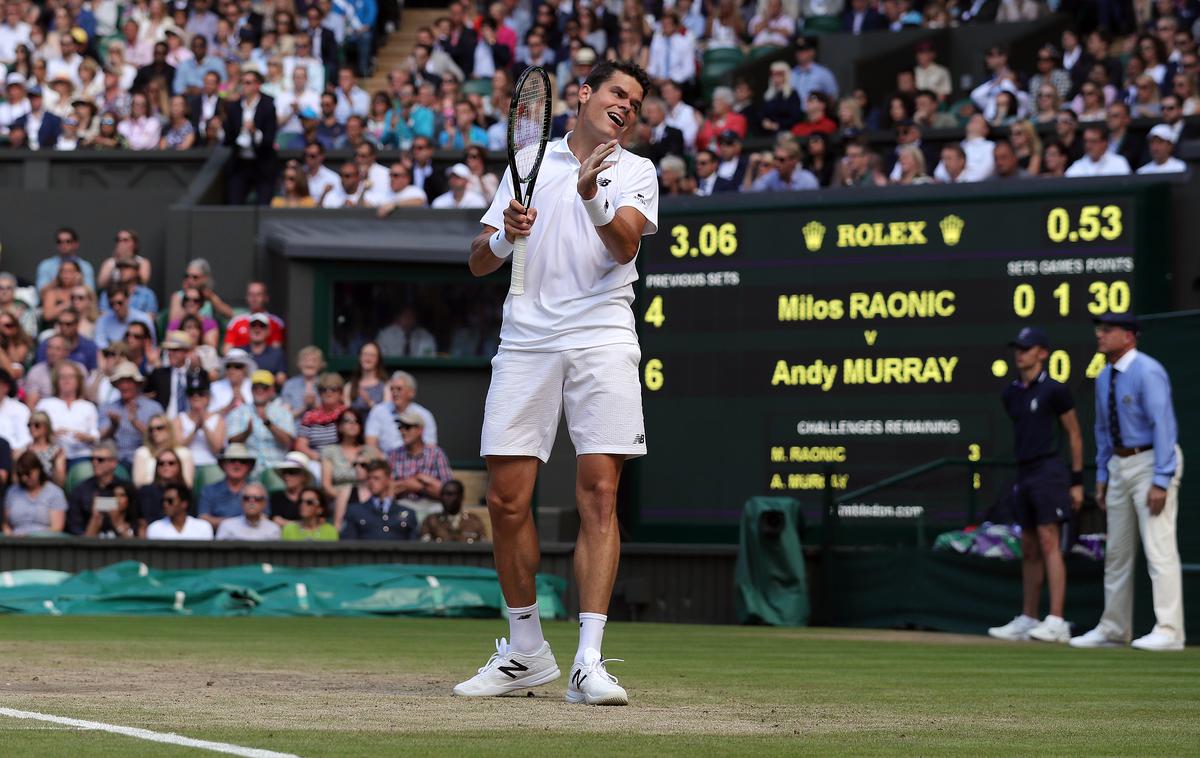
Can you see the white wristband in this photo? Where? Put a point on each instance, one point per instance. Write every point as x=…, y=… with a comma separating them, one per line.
x=599, y=210
x=501, y=247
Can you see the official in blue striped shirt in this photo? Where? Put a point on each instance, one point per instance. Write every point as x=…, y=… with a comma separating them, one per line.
x=1138, y=469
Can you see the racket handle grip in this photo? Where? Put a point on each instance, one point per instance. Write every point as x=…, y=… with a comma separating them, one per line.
x=517, y=287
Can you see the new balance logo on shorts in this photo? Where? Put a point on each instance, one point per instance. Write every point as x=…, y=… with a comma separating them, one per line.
x=513, y=666
x=639, y=439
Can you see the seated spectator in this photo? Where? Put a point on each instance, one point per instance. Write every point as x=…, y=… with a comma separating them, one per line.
x=721, y=119
x=786, y=173
x=1066, y=130
x=141, y=129
x=125, y=274
x=50, y=453
x=1028, y=146
x=1091, y=106
x=979, y=151
x=1005, y=109
x=14, y=415
x=167, y=383
x=18, y=308
x=926, y=114
x=160, y=439
x=350, y=193
x=168, y=469
x=953, y=167
x=673, y=177
x=266, y=427
x=198, y=429
x=1172, y=116
x=253, y=523
x=459, y=195
x=781, y=109
x=176, y=524
x=16, y=348
x=1096, y=160
x=330, y=130
x=300, y=391
x=233, y=391
x=294, y=193
x=198, y=276
x=202, y=356
x=402, y=193
x=37, y=378
x=33, y=505
x=910, y=162
x=463, y=130
x=320, y=178
x=418, y=468
x=83, y=497
x=126, y=419
x=1046, y=105
x=380, y=516
x=732, y=164
x=1005, y=160
x=113, y=323
x=452, y=525
x=771, y=27
x=383, y=422
x=313, y=525
x=115, y=516
x=1145, y=103
x=258, y=300
x=810, y=76
x=817, y=120
x=56, y=296
x=296, y=475
x=192, y=305
x=679, y=114
x=337, y=460
x=319, y=426
x=79, y=348
x=180, y=134
x=1049, y=72
x=358, y=491
x=266, y=356
x=404, y=337
x=483, y=181
x=223, y=499
x=707, y=180
x=75, y=420
x=1054, y=160
x=40, y=127
x=1161, y=145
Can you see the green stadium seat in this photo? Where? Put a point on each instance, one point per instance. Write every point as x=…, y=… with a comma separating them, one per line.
x=205, y=475
x=822, y=25
x=78, y=473
x=271, y=480
x=729, y=57
x=766, y=51
x=478, y=87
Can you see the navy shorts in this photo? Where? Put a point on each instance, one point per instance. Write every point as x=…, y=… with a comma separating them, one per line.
x=1042, y=493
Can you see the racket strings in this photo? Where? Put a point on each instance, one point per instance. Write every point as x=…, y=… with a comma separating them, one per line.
x=529, y=125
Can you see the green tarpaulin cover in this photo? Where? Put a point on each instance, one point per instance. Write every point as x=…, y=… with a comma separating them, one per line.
x=132, y=588
x=769, y=578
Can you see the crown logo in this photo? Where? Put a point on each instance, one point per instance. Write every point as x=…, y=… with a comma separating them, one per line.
x=814, y=235
x=952, y=229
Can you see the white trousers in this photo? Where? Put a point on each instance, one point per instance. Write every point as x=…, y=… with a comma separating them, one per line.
x=1129, y=481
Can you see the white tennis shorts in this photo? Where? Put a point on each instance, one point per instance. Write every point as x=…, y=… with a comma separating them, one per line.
x=597, y=386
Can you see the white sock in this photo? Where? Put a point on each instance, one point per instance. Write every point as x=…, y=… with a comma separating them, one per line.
x=591, y=632
x=525, y=629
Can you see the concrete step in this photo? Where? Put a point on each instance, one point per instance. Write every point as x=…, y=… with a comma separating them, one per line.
x=400, y=44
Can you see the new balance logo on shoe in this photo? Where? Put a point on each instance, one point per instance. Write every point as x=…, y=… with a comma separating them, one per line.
x=577, y=677
x=513, y=666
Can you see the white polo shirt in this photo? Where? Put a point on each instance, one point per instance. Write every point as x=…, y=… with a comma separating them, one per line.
x=1171, y=166
x=576, y=294
x=1108, y=165
x=193, y=529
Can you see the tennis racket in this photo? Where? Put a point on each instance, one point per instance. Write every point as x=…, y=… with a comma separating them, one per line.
x=528, y=130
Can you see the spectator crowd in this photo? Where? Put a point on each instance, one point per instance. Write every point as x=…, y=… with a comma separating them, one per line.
x=174, y=416
x=263, y=77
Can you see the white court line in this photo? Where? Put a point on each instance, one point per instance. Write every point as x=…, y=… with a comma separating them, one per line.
x=145, y=734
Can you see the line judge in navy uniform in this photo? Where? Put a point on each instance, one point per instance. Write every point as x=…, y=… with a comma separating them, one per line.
x=1138, y=470
x=380, y=517
x=1045, y=492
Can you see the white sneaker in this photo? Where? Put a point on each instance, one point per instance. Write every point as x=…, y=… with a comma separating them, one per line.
x=1016, y=630
x=508, y=671
x=591, y=684
x=1052, y=629
x=1095, y=638
x=1157, y=641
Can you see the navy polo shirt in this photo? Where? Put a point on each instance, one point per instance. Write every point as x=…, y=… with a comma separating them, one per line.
x=1035, y=410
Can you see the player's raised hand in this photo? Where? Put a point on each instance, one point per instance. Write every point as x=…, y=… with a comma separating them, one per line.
x=592, y=167
x=517, y=221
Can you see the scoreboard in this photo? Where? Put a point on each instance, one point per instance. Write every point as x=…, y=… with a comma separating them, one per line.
x=787, y=347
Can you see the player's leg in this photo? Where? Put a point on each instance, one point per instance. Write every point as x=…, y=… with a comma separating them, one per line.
x=520, y=420
x=603, y=403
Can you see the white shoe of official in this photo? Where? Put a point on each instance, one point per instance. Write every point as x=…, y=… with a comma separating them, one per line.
x=1052, y=629
x=1094, y=639
x=591, y=684
x=508, y=671
x=1157, y=641
x=1016, y=630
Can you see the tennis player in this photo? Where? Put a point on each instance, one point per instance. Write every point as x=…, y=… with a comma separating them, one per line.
x=567, y=344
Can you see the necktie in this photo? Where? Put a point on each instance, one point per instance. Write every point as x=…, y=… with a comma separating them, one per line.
x=180, y=393
x=1114, y=423
x=381, y=506
x=408, y=343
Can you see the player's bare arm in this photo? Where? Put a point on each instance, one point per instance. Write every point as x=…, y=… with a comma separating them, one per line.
x=623, y=235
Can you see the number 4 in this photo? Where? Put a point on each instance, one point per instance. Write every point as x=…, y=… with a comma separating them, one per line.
x=654, y=314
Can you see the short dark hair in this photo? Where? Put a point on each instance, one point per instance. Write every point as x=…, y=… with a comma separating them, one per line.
x=69, y=231
x=317, y=145
x=1098, y=128
x=320, y=497
x=378, y=464
x=606, y=70
x=956, y=148
x=28, y=461
x=257, y=76
x=1002, y=142
x=183, y=493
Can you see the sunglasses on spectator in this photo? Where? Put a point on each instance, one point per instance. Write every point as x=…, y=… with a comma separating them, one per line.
x=190, y=299
x=102, y=458
x=235, y=366
x=170, y=500
x=329, y=388
x=64, y=240
x=309, y=501
x=168, y=462
x=253, y=498
x=36, y=424
x=348, y=420
x=157, y=427
x=79, y=297
x=408, y=426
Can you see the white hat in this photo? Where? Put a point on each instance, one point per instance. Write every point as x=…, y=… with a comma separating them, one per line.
x=460, y=170
x=293, y=461
x=1163, y=132
x=242, y=358
x=14, y=78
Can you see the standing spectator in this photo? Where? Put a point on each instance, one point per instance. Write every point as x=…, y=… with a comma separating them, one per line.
x=672, y=52
x=176, y=524
x=67, y=242
x=42, y=128
x=266, y=427
x=75, y=420
x=258, y=301
x=33, y=505
x=1097, y=161
x=126, y=419
x=722, y=119
x=383, y=423
x=319, y=427
x=679, y=114
x=100, y=484
x=338, y=460
x=929, y=74
x=160, y=439
x=1162, y=143
x=380, y=516
x=113, y=323
x=313, y=525
x=253, y=523
x=781, y=108
x=452, y=525
x=771, y=27
x=285, y=503
x=1049, y=72
x=251, y=125
x=810, y=76
x=1138, y=471
x=359, y=16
